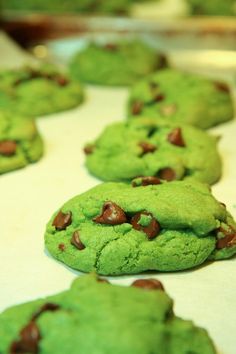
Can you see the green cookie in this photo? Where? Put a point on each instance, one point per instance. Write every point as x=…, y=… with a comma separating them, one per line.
x=117, y=228
x=216, y=7
x=117, y=64
x=181, y=98
x=34, y=92
x=153, y=147
x=95, y=317
x=20, y=143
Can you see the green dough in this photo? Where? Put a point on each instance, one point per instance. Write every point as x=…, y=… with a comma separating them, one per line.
x=20, y=142
x=181, y=98
x=118, y=7
x=95, y=317
x=118, y=154
x=185, y=217
x=117, y=64
x=216, y=7
x=34, y=92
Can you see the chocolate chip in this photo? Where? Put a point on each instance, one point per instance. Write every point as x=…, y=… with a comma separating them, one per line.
x=49, y=306
x=89, y=149
x=102, y=280
x=75, y=241
x=146, y=181
x=62, y=247
x=8, y=147
x=137, y=107
x=167, y=174
x=111, y=47
x=168, y=110
x=62, y=81
x=159, y=97
x=175, y=137
x=221, y=86
x=112, y=214
x=151, y=230
x=28, y=343
x=147, y=147
x=148, y=284
x=62, y=220
x=228, y=241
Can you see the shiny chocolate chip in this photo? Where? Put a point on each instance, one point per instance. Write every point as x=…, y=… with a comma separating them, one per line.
x=168, y=110
x=8, y=147
x=30, y=337
x=61, y=247
x=229, y=240
x=151, y=230
x=221, y=86
x=111, y=47
x=111, y=214
x=89, y=149
x=147, y=147
x=137, y=107
x=146, y=181
x=75, y=241
x=148, y=284
x=62, y=220
x=167, y=174
x=48, y=307
x=159, y=97
x=175, y=137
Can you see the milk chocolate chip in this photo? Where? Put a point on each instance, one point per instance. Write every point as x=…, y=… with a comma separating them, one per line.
x=168, y=174
x=62, y=220
x=75, y=241
x=148, y=284
x=175, y=137
x=151, y=230
x=8, y=147
x=112, y=214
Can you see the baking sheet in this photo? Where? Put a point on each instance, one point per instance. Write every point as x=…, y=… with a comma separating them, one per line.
x=29, y=197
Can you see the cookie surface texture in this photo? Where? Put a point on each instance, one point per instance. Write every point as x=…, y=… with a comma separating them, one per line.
x=181, y=98
x=98, y=318
x=118, y=228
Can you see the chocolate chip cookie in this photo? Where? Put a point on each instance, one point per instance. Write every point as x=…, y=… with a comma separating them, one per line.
x=94, y=317
x=118, y=228
x=181, y=98
x=153, y=147
x=38, y=91
x=119, y=63
x=20, y=142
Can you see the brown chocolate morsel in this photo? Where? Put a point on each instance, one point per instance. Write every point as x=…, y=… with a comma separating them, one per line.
x=28, y=343
x=89, y=149
x=147, y=147
x=175, y=137
x=228, y=241
x=102, y=280
x=112, y=214
x=168, y=174
x=62, y=220
x=221, y=86
x=159, y=97
x=137, y=107
x=148, y=284
x=111, y=46
x=75, y=241
x=62, y=81
x=61, y=247
x=49, y=306
x=146, y=181
x=152, y=230
x=8, y=147
x=168, y=110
